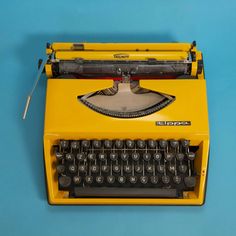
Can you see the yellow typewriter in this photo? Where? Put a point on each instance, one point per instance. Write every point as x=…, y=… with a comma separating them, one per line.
x=125, y=124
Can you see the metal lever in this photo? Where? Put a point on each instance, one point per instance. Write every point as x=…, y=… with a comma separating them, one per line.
x=40, y=70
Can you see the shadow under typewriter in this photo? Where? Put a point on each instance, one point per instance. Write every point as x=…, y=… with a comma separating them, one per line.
x=126, y=100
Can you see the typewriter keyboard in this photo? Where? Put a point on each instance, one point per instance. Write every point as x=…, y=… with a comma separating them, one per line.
x=125, y=168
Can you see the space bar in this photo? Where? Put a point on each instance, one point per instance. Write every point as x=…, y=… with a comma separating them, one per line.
x=125, y=192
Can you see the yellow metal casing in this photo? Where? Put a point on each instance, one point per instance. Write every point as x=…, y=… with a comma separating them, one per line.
x=67, y=118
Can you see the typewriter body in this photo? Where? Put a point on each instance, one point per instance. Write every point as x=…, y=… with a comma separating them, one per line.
x=125, y=124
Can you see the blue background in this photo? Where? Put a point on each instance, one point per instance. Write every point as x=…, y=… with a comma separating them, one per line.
x=26, y=26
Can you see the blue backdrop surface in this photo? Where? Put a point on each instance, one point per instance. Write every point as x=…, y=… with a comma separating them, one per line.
x=26, y=26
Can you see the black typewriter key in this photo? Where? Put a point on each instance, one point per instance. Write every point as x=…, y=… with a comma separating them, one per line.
x=85, y=143
x=144, y=179
x=102, y=156
x=97, y=143
x=105, y=168
x=127, y=168
x=191, y=156
x=133, y=179
x=185, y=143
x=146, y=156
x=81, y=157
x=77, y=179
x=149, y=168
x=116, y=168
x=111, y=179
x=180, y=156
x=163, y=143
x=154, y=179
x=89, y=179
x=160, y=168
x=82, y=168
x=94, y=168
x=64, y=144
x=171, y=168
x=190, y=181
x=141, y=143
x=70, y=157
x=165, y=179
x=174, y=143
x=177, y=179
x=157, y=156
x=60, y=169
x=74, y=144
x=119, y=143
x=64, y=181
x=99, y=179
x=114, y=156
x=59, y=155
x=107, y=143
x=129, y=143
x=138, y=169
x=182, y=168
x=169, y=156
x=121, y=179
x=152, y=143
x=135, y=156
x=92, y=156
x=124, y=156
x=72, y=168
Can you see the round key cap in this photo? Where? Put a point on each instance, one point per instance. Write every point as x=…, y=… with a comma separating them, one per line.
x=149, y=168
x=127, y=168
x=180, y=156
x=107, y=143
x=64, y=144
x=72, y=168
x=177, y=179
x=152, y=143
x=77, y=179
x=59, y=156
x=154, y=179
x=191, y=156
x=116, y=168
x=185, y=143
x=160, y=168
x=99, y=179
x=163, y=143
x=60, y=169
x=157, y=156
x=171, y=168
x=138, y=168
x=121, y=179
x=92, y=156
x=133, y=179
x=64, y=181
x=165, y=179
x=102, y=156
x=82, y=168
x=146, y=156
x=174, y=143
x=130, y=143
x=85, y=143
x=169, y=156
x=190, y=181
x=143, y=179
x=135, y=156
x=119, y=143
x=141, y=143
x=94, y=168
x=89, y=179
x=81, y=157
x=113, y=156
x=182, y=168
x=111, y=179
x=97, y=143
x=74, y=144
x=105, y=168
x=124, y=156
x=70, y=157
